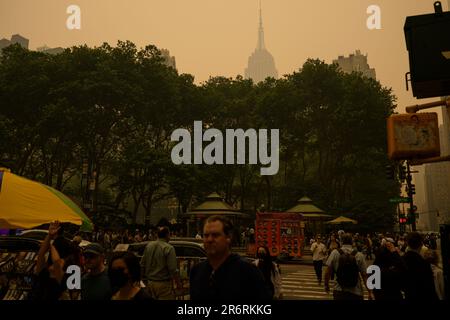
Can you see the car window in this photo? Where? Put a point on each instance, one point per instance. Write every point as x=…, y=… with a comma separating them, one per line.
x=187, y=251
x=34, y=235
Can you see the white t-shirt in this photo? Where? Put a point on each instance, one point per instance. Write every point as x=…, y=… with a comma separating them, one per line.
x=319, y=251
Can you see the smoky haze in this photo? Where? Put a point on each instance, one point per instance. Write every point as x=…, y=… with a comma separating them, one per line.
x=216, y=37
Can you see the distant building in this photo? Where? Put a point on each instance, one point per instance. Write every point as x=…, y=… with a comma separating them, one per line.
x=16, y=38
x=169, y=60
x=433, y=185
x=355, y=63
x=4, y=43
x=261, y=63
x=49, y=50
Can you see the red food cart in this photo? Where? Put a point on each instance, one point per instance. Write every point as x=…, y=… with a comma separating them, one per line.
x=281, y=232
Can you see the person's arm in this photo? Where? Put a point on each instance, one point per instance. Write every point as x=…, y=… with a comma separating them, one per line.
x=58, y=264
x=364, y=278
x=313, y=247
x=362, y=270
x=45, y=246
x=328, y=271
x=40, y=262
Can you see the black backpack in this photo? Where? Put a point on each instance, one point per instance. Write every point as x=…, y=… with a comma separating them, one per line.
x=348, y=272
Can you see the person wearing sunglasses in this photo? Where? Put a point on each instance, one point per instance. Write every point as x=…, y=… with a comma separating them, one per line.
x=95, y=284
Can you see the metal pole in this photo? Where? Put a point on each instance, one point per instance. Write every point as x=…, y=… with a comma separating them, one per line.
x=418, y=107
x=410, y=195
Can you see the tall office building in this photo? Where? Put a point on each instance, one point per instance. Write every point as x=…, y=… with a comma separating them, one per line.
x=355, y=63
x=261, y=63
x=17, y=38
x=433, y=187
x=168, y=59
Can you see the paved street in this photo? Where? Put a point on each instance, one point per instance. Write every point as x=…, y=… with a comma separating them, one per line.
x=300, y=283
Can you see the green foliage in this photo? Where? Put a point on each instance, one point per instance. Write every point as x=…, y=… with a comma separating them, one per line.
x=114, y=109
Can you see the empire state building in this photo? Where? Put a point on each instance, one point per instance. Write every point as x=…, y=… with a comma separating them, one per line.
x=261, y=63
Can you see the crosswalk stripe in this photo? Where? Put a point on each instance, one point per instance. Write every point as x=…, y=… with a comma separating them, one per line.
x=303, y=285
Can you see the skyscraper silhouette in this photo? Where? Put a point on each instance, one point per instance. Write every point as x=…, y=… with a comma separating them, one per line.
x=261, y=63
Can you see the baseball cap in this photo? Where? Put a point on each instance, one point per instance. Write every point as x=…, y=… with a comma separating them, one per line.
x=94, y=248
x=390, y=240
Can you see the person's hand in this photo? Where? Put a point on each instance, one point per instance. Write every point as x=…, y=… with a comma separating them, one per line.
x=53, y=229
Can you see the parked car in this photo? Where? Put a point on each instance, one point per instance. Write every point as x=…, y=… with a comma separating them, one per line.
x=37, y=234
x=40, y=235
x=183, y=249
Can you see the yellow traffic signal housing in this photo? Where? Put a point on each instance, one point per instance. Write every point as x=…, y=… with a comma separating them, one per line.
x=413, y=136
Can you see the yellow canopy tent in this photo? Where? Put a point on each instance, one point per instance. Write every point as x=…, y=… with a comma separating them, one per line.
x=25, y=204
x=342, y=219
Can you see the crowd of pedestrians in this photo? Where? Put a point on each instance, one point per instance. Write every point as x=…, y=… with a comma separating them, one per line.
x=409, y=263
x=123, y=276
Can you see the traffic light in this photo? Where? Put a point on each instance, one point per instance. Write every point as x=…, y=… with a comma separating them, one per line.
x=390, y=173
x=402, y=219
x=413, y=189
x=411, y=215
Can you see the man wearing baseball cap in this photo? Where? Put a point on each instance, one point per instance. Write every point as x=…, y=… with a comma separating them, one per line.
x=95, y=285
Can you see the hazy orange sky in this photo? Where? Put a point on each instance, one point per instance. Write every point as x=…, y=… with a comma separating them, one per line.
x=216, y=37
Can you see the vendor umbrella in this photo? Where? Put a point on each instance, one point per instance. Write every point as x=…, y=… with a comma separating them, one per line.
x=26, y=204
x=341, y=220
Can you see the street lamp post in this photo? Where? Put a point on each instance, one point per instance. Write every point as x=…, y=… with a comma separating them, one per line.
x=411, y=191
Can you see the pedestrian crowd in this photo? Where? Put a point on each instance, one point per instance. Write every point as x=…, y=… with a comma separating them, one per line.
x=109, y=239
x=409, y=264
x=224, y=275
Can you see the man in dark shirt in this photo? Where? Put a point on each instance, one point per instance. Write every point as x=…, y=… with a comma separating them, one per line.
x=224, y=276
x=95, y=285
x=419, y=281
